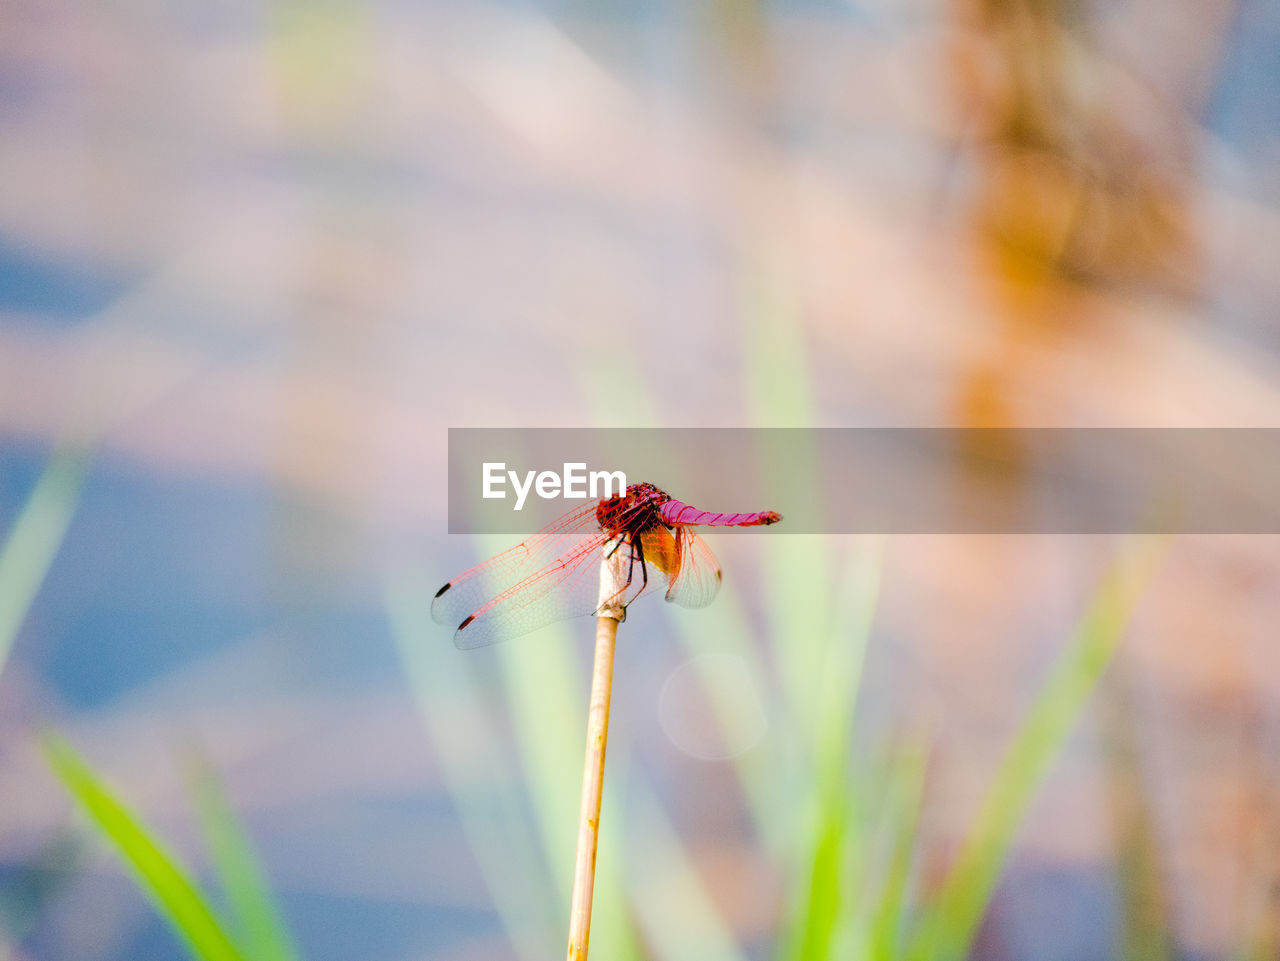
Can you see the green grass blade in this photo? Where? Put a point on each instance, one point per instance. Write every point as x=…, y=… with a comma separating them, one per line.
x=948, y=931
x=33, y=543
x=777, y=372
x=825, y=916
x=905, y=803
x=812, y=936
x=160, y=875
x=535, y=675
x=258, y=919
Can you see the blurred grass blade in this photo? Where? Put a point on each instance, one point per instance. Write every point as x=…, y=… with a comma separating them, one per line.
x=905, y=803
x=476, y=773
x=258, y=920
x=550, y=745
x=777, y=372
x=1141, y=892
x=811, y=937
x=779, y=395
x=164, y=880
x=535, y=675
x=824, y=916
x=33, y=543
x=948, y=930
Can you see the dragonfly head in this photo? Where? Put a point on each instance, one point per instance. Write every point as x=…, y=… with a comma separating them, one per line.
x=646, y=493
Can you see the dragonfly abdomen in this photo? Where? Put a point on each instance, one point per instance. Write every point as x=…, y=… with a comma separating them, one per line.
x=674, y=512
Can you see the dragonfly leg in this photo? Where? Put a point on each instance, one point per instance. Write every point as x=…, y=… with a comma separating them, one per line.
x=644, y=568
x=637, y=556
x=618, y=542
x=631, y=565
x=620, y=594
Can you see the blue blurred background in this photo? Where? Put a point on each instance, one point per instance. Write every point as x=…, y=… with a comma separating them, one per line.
x=258, y=257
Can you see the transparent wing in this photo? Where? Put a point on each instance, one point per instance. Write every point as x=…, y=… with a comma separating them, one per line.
x=695, y=579
x=548, y=595
x=564, y=542
x=549, y=577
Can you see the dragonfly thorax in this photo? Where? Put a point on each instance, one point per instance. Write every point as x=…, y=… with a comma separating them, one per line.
x=634, y=512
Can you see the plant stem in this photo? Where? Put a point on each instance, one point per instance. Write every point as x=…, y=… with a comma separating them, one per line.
x=584, y=871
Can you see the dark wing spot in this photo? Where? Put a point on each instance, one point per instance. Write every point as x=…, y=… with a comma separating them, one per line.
x=719, y=575
x=470, y=618
x=443, y=589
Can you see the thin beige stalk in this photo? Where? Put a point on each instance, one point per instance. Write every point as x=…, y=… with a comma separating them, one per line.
x=584, y=869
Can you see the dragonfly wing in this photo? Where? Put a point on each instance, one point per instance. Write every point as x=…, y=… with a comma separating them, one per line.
x=561, y=543
x=695, y=581
x=569, y=588
x=468, y=591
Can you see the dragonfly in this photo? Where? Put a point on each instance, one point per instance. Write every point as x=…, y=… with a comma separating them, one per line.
x=647, y=534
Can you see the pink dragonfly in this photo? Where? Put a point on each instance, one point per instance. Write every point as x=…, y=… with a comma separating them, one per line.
x=556, y=573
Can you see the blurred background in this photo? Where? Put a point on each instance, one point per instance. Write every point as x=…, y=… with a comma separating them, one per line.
x=255, y=258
